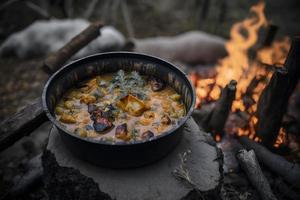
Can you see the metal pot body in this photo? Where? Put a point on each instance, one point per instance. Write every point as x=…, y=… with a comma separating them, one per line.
x=118, y=155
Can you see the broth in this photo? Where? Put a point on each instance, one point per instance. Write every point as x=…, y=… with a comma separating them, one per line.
x=120, y=107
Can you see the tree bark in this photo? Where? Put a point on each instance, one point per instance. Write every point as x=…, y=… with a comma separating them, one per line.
x=216, y=120
x=292, y=64
x=290, y=172
x=22, y=123
x=271, y=106
x=249, y=164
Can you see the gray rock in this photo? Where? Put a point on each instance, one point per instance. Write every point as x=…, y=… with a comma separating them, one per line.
x=45, y=36
x=193, y=47
x=155, y=181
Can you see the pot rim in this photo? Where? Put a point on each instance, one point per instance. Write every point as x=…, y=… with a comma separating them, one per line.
x=103, y=142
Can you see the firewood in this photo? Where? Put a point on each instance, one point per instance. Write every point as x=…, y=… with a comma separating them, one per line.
x=270, y=35
x=290, y=172
x=274, y=99
x=248, y=100
x=32, y=116
x=292, y=64
x=271, y=106
x=21, y=124
x=216, y=120
x=250, y=165
x=55, y=60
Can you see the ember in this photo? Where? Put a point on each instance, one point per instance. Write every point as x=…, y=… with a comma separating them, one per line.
x=251, y=71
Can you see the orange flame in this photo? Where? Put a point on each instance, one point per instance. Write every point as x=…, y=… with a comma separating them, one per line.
x=242, y=67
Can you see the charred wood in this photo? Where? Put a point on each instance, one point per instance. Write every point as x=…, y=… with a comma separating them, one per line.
x=22, y=123
x=290, y=172
x=292, y=64
x=248, y=100
x=216, y=120
x=270, y=35
x=271, y=107
x=250, y=165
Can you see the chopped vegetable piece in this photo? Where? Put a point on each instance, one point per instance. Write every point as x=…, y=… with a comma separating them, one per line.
x=132, y=105
x=122, y=132
x=97, y=113
x=165, y=120
x=156, y=84
x=102, y=124
x=69, y=119
x=69, y=104
x=147, y=135
x=87, y=99
x=59, y=110
x=89, y=127
x=81, y=132
x=149, y=114
x=91, y=108
x=175, y=97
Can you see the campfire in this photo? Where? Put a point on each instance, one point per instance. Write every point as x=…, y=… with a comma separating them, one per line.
x=251, y=61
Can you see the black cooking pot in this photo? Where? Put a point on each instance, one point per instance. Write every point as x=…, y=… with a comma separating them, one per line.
x=119, y=155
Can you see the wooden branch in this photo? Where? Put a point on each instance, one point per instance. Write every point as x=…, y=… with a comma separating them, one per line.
x=290, y=172
x=271, y=107
x=216, y=120
x=22, y=123
x=248, y=100
x=273, y=102
x=249, y=164
x=31, y=117
x=55, y=60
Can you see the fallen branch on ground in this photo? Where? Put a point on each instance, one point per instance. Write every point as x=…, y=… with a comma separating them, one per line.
x=249, y=164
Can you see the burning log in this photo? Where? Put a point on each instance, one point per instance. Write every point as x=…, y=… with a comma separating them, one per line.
x=32, y=116
x=270, y=35
x=271, y=106
x=290, y=172
x=292, y=64
x=216, y=120
x=273, y=101
x=55, y=60
x=248, y=100
x=250, y=165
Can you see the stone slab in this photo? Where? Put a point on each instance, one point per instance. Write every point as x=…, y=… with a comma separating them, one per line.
x=154, y=181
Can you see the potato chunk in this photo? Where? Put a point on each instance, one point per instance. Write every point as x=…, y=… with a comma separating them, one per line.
x=69, y=119
x=87, y=99
x=132, y=105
